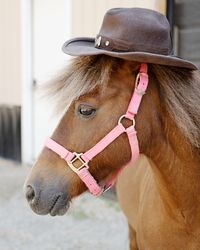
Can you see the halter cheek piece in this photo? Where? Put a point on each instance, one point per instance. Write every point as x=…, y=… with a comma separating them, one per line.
x=82, y=171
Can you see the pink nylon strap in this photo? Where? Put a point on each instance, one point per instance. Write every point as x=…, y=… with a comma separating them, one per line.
x=58, y=149
x=132, y=137
x=133, y=141
x=83, y=172
x=89, y=181
x=103, y=143
x=140, y=88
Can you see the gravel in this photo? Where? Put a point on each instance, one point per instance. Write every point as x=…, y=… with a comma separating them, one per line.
x=90, y=224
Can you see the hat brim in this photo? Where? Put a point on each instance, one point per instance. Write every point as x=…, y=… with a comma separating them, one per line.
x=85, y=46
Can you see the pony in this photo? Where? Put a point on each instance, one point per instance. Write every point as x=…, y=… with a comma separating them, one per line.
x=159, y=193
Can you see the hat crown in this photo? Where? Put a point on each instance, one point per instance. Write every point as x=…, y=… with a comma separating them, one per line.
x=135, y=34
x=135, y=29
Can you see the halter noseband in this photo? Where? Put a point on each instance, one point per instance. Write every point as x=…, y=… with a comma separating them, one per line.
x=141, y=84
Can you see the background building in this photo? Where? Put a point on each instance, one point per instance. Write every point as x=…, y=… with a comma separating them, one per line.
x=32, y=33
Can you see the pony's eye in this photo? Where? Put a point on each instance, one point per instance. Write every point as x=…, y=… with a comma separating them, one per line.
x=86, y=110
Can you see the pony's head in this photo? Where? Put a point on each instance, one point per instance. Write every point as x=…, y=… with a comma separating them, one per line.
x=94, y=91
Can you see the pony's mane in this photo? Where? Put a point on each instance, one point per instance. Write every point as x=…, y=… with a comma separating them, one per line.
x=81, y=76
x=179, y=89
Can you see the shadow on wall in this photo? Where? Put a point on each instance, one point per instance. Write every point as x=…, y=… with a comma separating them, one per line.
x=10, y=132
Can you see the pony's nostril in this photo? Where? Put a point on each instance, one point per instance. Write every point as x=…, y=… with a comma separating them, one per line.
x=30, y=193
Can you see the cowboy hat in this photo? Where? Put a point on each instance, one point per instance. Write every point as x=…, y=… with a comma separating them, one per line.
x=136, y=34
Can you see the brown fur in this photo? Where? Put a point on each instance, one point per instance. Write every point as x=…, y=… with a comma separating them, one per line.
x=161, y=196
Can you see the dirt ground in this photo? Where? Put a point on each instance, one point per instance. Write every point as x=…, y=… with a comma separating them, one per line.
x=91, y=223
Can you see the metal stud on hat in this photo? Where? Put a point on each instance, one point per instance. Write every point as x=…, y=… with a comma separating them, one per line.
x=107, y=43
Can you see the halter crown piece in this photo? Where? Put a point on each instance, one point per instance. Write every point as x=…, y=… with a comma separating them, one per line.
x=83, y=172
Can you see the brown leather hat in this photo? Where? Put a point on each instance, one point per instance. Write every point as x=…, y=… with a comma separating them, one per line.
x=136, y=34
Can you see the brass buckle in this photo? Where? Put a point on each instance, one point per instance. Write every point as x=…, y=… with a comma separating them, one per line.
x=139, y=91
x=77, y=156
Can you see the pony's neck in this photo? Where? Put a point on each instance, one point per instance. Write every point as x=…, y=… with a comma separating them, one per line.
x=176, y=167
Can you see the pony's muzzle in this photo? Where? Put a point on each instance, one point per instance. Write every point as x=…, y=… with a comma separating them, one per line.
x=46, y=200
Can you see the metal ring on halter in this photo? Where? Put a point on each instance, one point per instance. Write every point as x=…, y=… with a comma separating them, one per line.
x=124, y=116
x=77, y=157
x=105, y=189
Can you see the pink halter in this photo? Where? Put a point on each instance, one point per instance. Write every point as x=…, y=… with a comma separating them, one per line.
x=141, y=84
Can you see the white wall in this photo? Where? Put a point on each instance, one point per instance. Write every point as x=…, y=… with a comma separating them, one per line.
x=10, y=52
x=85, y=20
x=87, y=15
x=51, y=28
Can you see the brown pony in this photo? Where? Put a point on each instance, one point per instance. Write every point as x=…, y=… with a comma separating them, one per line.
x=161, y=195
